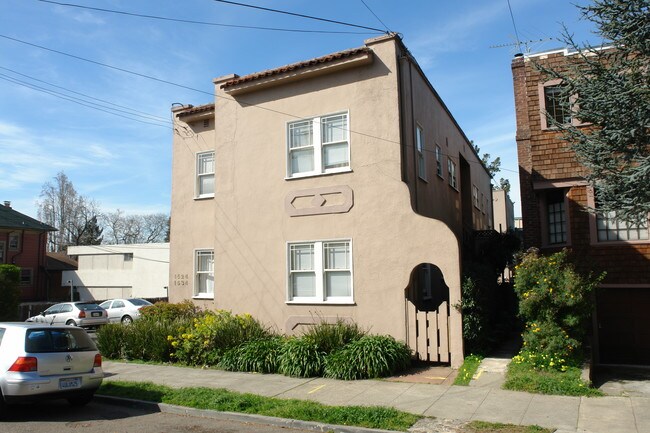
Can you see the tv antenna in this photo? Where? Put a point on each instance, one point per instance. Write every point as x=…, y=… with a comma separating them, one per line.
x=526, y=44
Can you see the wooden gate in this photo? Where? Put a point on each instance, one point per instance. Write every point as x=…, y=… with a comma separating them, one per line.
x=427, y=332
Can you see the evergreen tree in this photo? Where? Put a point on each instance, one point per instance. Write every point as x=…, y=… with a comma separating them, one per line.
x=610, y=89
x=92, y=233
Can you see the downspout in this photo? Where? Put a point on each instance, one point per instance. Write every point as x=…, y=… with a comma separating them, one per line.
x=415, y=155
x=400, y=113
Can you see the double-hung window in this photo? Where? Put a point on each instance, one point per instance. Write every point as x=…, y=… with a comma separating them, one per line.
x=320, y=271
x=318, y=145
x=419, y=146
x=204, y=277
x=556, y=217
x=205, y=174
x=451, y=173
x=438, y=161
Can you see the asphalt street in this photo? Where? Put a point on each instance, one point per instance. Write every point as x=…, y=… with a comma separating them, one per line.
x=98, y=417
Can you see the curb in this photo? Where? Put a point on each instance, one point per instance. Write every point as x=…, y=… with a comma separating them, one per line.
x=234, y=416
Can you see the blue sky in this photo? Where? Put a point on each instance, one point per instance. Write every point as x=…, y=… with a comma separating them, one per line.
x=125, y=162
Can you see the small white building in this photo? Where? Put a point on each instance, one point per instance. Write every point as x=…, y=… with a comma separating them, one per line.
x=119, y=271
x=504, y=211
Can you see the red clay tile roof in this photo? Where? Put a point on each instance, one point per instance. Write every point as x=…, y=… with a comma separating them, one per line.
x=195, y=110
x=300, y=65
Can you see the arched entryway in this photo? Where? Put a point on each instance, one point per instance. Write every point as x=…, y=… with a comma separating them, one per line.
x=427, y=314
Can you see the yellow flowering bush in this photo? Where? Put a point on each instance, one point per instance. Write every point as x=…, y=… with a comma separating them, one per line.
x=555, y=302
x=213, y=333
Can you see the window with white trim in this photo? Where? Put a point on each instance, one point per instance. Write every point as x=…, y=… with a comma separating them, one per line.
x=610, y=229
x=320, y=271
x=205, y=174
x=204, y=277
x=475, y=197
x=14, y=241
x=438, y=161
x=318, y=145
x=451, y=173
x=419, y=146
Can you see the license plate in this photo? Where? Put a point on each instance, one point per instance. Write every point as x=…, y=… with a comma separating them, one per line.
x=96, y=314
x=70, y=383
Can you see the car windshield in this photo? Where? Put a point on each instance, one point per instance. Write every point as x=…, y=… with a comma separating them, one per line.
x=58, y=340
x=140, y=302
x=88, y=306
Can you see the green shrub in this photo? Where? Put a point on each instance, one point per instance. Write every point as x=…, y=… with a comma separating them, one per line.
x=9, y=292
x=467, y=371
x=111, y=340
x=212, y=334
x=330, y=337
x=301, y=357
x=370, y=356
x=555, y=301
x=259, y=356
x=169, y=312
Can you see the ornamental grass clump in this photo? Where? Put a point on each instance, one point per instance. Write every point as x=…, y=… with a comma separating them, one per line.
x=301, y=357
x=330, y=337
x=555, y=302
x=258, y=356
x=369, y=357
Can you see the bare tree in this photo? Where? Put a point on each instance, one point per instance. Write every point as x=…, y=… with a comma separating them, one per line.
x=64, y=209
x=135, y=229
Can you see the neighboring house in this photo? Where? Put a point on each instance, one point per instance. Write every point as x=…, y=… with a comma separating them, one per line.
x=119, y=271
x=337, y=187
x=555, y=198
x=57, y=263
x=504, y=211
x=22, y=243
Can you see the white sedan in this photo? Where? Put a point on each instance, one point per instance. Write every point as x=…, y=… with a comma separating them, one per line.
x=124, y=311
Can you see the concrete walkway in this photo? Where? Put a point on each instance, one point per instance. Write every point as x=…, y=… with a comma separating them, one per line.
x=629, y=414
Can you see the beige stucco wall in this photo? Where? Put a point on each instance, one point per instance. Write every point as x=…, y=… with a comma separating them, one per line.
x=249, y=228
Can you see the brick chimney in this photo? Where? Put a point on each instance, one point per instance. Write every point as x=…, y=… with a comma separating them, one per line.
x=8, y=204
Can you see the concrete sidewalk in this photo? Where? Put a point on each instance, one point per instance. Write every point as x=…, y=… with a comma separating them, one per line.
x=567, y=414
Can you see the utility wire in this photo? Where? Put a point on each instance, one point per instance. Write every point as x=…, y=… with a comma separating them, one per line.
x=378, y=19
x=514, y=26
x=154, y=17
x=134, y=111
x=300, y=15
x=228, y=98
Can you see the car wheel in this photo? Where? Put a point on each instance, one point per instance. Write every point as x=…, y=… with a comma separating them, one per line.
x=127, y=320
x=71, y=323
x=81, y=400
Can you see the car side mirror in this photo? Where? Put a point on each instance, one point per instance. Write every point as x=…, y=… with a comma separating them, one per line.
x=42, y=313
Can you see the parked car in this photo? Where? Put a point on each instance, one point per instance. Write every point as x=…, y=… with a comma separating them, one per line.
x=83, y=314
x=39, y=362
x=124, y=310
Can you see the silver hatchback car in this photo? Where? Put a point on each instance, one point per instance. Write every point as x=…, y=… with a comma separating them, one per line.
x=84, y=314
x=40, y=362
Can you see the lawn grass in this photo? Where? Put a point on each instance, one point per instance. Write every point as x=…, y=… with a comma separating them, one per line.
x=228, y=401
x=523, y=377
x=492, y=427
x=468, y=369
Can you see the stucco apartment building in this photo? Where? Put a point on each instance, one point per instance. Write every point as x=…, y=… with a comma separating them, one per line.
x=337, y=187
x=119, y=271
x=555, y=198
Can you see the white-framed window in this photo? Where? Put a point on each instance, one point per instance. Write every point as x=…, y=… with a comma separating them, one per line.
x=451, y=173
x=205, y=174
x=610, y=229
x=204, y=274
x=419, y=147
x=318, y=145
x=475, y=197
x=438, y=161
x=14, y=241
x=320, y=272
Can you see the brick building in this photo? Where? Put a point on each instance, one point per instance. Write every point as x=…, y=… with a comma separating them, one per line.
x=554, y=200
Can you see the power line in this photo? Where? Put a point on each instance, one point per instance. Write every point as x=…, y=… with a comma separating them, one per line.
x=375, y=15
x=205, y=23
x=300, y=15
x=514, y=26
x=227, y=98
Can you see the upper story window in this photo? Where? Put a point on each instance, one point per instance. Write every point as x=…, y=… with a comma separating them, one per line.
x=438, y=161
x=320, y=272
x=205, y=174
x=318, y=145
x=609, y=229
x=204, y=276
x=556, y=104
x=475, y=197
x=451, y=173
x=14, y=241
x=419, y=146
